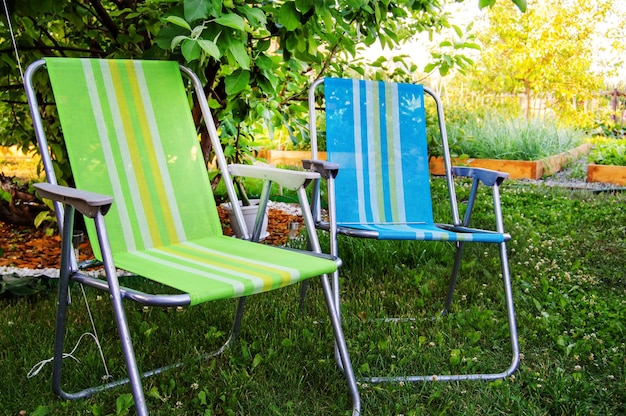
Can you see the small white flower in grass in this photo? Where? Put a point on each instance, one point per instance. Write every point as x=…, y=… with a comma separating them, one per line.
x=431, y=344
x=98, y=298
x=179, y=405
x=475, y=359
x=611, y=377
x=577, y=368
x=402, y=384
x=194, y=386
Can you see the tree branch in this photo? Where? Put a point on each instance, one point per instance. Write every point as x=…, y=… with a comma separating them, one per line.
x=105, y=18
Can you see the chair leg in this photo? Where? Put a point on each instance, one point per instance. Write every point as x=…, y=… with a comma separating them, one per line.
x=120, y=318
x=341, y=348
x=453, y=277
x=62, y=304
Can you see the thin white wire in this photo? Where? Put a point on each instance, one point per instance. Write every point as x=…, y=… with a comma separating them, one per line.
x=17, y=54
x=41, y=364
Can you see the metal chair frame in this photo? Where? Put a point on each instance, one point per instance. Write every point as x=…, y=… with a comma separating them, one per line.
x=329, y=171
x=95, y=206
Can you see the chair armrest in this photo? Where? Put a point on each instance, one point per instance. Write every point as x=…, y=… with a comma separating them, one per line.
x=290, y=179
x=87, y=203
x=324, y=168
x=487, y=176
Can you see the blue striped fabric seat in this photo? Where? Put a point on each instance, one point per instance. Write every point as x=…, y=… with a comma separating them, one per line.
x=376, y=133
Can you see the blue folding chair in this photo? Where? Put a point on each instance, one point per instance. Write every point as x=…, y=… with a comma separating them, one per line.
x=379, y=183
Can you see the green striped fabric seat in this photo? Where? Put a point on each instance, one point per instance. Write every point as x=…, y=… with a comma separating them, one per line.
x=129, y=133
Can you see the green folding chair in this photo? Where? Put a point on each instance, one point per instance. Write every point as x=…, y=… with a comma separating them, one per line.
x=143, y=187
x=379, y=184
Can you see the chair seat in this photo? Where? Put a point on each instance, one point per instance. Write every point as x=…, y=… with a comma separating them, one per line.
x=423, y=232
x=222, y=267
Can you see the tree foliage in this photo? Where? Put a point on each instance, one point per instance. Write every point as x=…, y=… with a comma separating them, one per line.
x=547, y=50
x=256, y=58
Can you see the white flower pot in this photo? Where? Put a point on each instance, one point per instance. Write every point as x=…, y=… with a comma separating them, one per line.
x=249, y=216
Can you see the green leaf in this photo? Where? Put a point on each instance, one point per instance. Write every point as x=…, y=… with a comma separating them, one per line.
x=124, y=403
x=210, y=48
x=455, y=357
x=196, y=10
x=202, y=397
x=430, y=67
x=255, y=16
x=176, y=41
x=190, y=49
x=178, y=21
x=521, y=4
x=232, y=20
x=289, y=16
x=237, y=81
x=238, y=51
x=458, y=30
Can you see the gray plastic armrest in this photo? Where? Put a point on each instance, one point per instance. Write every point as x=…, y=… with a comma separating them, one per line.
x=324, y=168
x=290, y=179
x=87, y=203
x=487, y=176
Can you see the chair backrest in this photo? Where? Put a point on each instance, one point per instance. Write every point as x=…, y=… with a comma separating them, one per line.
x=129, y=133
x=376, y=132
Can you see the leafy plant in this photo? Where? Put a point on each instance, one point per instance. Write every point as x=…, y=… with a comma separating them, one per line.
x=609, y=129
x=500, y=137
x=608, y=152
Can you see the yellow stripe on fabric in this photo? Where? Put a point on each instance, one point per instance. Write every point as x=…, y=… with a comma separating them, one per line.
x=135, y=152
x=151, y=149
x=199, y=294
x=245, y=267
x=125, y=164
x=175, y=227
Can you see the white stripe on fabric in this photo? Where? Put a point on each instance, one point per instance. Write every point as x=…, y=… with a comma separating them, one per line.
x=294, y=273
x=158, y=149
x=397, y=153
x=372, y=152
x=360, y=186
x=108, y=155
x=131, y=179
x=238, y=286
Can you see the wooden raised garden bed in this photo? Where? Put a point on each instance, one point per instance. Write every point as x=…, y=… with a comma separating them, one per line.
x=515, y=168
x=289, y=157
x=606, y=173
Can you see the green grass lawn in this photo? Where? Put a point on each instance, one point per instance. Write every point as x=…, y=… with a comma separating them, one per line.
x=569, y=280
